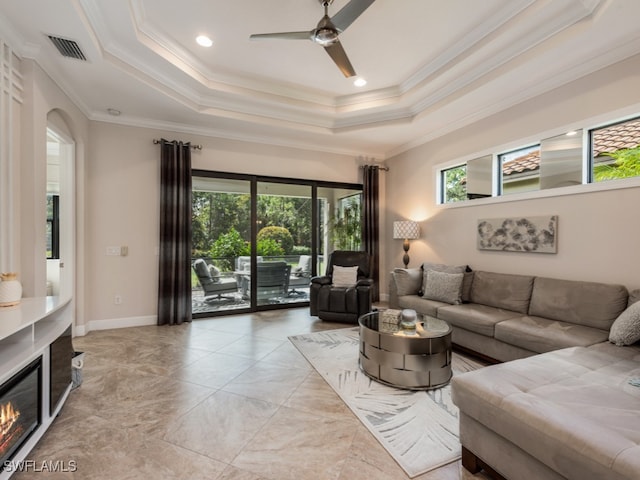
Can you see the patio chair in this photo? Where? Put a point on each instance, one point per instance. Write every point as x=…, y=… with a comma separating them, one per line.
x=213, y=286
x=273, y=280
x=301, y=275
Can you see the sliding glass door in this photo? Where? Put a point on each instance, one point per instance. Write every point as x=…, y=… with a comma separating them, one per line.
x=339, y=222
x=257, y=241
x=221, y=226
x=283, y=240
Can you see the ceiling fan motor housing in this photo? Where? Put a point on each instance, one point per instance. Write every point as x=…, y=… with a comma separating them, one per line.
x=325, y=33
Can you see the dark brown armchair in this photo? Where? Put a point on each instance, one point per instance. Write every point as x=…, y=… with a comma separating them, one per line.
x=342, y=303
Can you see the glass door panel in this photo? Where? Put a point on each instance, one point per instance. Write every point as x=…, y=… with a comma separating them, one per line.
x=221, y=248
x=339, y=222
x=283, y=243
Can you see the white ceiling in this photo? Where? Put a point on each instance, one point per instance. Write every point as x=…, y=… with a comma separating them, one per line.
x=432, y=66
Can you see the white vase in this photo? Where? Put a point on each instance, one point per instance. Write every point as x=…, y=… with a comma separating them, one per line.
x=10, y=290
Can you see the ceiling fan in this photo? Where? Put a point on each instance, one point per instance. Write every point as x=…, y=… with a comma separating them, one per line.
x=327, y=31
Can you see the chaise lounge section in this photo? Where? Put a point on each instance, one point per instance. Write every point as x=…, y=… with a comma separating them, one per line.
x=566, y=404
x=566, y=414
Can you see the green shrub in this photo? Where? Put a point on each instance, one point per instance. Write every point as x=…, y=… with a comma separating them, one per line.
x=268, y=247
x=278, y=234
x=301, y=250
x=227, y=247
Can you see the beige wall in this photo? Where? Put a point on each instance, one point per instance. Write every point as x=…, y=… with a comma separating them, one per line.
x=117, y=191
x=43, y=96
x=597, y=232
x=123, y=179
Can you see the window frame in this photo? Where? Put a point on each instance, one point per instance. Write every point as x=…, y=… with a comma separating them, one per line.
x=54, y=223
x=587, y=185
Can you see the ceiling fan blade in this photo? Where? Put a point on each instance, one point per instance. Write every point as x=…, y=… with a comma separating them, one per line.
x=347, y=15
x=282, y=35
x=337, y=53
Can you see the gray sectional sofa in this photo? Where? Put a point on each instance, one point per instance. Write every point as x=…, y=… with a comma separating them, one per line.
x=505, y=317
x=566, y=402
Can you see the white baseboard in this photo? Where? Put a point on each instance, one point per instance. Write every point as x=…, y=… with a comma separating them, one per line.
x=112, y=323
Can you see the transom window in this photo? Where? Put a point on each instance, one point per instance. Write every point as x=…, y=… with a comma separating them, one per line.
x=613, y=153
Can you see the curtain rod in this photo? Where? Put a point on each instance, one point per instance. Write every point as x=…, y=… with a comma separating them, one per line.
x=195, y=147
x=386, y=169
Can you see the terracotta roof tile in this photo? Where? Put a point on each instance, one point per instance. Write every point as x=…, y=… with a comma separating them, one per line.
x=530, y=161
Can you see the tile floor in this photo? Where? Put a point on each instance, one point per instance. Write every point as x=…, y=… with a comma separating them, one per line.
x=226, y=398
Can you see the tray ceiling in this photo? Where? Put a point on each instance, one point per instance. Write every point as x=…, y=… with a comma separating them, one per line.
x=430, y=66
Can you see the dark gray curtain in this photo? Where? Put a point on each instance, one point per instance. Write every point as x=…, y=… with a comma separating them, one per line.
x=371, y=227
x=174, y=288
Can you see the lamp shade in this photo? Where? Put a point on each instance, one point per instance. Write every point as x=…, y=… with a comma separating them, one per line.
x=406, y=229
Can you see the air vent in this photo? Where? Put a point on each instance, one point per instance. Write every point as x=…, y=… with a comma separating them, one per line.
x=67, y=48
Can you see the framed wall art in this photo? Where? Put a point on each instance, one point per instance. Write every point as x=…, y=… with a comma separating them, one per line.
x=519, y=234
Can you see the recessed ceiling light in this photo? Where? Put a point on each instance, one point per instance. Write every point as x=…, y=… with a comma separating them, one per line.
x=113, y=111
x=360, y=82
x=204, y=41
x=571, y=133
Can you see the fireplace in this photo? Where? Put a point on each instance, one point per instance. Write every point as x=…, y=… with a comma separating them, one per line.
x=20, y=409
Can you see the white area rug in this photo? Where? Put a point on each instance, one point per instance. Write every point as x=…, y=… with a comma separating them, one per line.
x=418, y=428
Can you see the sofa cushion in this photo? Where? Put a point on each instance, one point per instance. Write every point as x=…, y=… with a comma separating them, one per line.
x=408, y=280
x=542, y=335
x=590, y=304
x=501, y=290
x=626, y=328
x=420, y=304
x=444, y=287
x=572, y=409
x=474, y=317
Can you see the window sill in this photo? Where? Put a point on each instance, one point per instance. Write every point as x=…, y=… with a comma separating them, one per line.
x=552, y=192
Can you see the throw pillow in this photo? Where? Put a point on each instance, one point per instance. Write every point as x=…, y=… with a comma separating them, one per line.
x=408, y=280
x=444, y=287
x=345, y=276
x=439, y=267
x=626, y=328
x=215, y=273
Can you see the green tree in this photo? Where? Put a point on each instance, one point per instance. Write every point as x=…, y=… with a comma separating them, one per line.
x=292, y=213
x=455, y=188
x=227, y=247
x=346, y=228
x=626, y=164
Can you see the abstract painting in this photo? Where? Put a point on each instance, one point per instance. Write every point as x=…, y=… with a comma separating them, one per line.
x=519, y=234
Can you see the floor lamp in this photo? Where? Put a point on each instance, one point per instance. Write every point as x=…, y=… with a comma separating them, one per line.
x=406, y=230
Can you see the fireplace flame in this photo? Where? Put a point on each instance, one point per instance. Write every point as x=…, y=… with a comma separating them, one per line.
x=8, y=416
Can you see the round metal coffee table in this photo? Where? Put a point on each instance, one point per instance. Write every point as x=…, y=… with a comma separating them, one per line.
x=404, y=358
